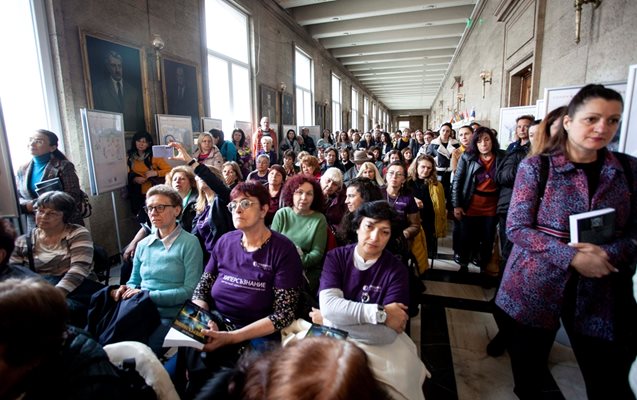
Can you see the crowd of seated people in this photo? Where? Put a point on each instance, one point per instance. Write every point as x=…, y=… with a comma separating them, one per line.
x=331, y=229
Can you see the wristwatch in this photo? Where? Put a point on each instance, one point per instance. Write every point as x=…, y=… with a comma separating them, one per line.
x=381, y=315
x=194, y=160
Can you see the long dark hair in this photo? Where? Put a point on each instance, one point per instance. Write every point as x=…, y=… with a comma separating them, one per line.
x=557, y=143
x=242, y=141
x=148, y=160
x=53, y=141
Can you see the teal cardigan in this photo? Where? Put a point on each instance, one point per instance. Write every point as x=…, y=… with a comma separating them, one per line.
x=169, y=275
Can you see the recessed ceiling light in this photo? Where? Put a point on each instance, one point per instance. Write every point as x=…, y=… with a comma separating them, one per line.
x=353, y=44
x=345, y=33
x=428, y=24
x=335, y=18
x=430, y=6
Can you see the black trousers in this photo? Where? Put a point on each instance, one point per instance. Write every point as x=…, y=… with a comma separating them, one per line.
x=604, y=364
x=477, y=235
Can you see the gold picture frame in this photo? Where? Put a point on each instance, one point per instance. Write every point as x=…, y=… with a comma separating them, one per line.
x=116, y=79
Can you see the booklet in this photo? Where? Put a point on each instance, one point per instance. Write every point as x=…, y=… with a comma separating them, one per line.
x=596, y=227
x=322, y=330
x=186, y=330
x=48, y=186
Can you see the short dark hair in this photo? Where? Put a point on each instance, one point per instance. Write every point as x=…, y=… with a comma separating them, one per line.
x=7, y=239
x=446, y=124
x=217, y=134
x=379, y=210
x=252, y=189
x=32, y=320
x=367, y=188
x=328, y=149
x=287, y=193
x=289, y=153
x=58, y=201
x=526, y=117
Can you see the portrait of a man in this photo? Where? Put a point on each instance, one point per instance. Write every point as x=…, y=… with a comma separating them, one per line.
x=115, y=75
x=181, y=91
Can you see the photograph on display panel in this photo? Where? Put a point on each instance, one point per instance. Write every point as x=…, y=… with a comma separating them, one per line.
x=175, y=128
x=115, y=79
x=181, y=85
x=508, y=115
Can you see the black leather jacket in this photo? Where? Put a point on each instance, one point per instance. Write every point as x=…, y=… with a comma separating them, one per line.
x=505, y=175
x=464, y=183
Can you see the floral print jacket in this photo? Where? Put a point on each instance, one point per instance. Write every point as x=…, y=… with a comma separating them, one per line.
x=538, y=269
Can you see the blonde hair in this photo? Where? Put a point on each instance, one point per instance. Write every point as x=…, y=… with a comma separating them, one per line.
x=369, y=165
x=202, y=200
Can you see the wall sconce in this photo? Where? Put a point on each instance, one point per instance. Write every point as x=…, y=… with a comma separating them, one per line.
x=326, y=102
x=282, y=86
x=486, y=78
x=578, y=14
x=460, y=98
x=158, y=45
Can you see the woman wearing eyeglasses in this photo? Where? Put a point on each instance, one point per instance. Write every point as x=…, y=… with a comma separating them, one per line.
x=252, y=279
x=60, y=251
x=401, y=201
x=48, y=163
x=167, y=263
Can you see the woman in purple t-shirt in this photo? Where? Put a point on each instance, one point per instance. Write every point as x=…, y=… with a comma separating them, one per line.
x=364, y=289
x=252, y=279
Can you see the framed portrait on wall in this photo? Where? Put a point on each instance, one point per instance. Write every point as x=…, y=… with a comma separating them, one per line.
x=181, y=86
x=268, y=104
x=115, y=78
x=287, y=116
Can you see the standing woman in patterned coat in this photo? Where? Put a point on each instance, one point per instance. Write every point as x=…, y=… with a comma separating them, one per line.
x=48, y=163
x=547, y=278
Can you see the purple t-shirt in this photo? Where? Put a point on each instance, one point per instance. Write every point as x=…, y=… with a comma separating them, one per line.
x=243, y=290
x=383, y=283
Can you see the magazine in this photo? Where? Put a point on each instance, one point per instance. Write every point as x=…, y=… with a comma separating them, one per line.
x=186, y=330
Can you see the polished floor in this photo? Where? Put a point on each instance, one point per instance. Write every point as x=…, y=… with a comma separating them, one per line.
x=452, y=332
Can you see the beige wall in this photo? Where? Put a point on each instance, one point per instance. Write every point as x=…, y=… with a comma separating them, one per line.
x=540, y=32
x=179, y=23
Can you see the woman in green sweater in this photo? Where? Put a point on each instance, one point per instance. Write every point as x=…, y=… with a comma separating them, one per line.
x=302, y=221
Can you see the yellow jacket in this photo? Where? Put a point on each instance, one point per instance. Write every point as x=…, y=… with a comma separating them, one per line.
x=138, y=168
x=437, y=193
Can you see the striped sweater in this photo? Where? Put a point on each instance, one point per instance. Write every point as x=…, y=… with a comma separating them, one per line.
x=71, y=258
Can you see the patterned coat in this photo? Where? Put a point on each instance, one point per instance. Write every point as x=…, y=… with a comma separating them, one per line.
x=532, y=289
x=55, y=168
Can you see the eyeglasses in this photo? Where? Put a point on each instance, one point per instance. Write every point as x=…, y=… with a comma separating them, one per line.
x=159, y=208
x=37, y=141
x=244, y=204
x=396, y=174
x=48, y=213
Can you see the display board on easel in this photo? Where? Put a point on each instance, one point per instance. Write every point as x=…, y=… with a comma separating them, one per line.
x=105, y=150
x=9, y=199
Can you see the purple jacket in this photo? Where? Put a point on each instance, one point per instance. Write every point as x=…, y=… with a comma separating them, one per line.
x=532, y=289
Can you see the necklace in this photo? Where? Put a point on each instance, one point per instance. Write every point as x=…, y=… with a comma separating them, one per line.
x=245, y=246
x=392, y=203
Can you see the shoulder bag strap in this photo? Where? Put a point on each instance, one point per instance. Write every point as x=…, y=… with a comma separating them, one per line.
x=30, y=250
